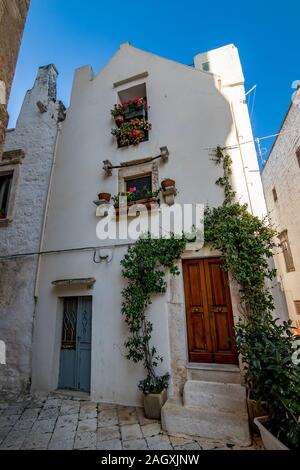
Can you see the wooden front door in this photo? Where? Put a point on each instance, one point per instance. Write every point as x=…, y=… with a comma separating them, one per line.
x=75, y=355
x=208, y=312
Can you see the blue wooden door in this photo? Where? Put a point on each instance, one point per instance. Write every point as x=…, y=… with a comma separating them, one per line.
x=75, y=357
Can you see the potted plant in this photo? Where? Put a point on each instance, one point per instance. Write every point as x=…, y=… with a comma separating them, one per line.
x=154, y=394
x=167, y=183
x=2, y=214
x=267, y=348
x=104, y=196
x=143, y=267
x=132, y=132
x=118, y=114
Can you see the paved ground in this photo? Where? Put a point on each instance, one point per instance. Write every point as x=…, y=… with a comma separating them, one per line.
x=68, y=422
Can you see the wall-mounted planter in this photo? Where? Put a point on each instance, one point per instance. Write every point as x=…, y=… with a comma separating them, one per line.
x=119, y=119
x=104, y=197
x=153, y=403
x=169, y=191
x=168, y=183
x=270, y=442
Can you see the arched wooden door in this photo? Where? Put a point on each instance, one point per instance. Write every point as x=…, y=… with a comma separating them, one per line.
x=208, y=312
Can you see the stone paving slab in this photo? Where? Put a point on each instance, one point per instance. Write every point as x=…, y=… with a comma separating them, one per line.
x=65, y=422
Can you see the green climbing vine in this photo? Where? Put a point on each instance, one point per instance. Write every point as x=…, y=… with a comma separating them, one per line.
x=245, y=243
x=144, y=267
x=267, y=347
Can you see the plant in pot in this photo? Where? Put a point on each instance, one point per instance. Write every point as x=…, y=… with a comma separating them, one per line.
x=267, y=348
x=104, y=196
x=132, y=132
x=118, y=113
x=167, y=183
x=2, y=214
x=144, y=268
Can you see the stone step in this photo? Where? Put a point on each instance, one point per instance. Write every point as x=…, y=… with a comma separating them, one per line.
x=227, y=427
x=214, y=373
x=223, y=397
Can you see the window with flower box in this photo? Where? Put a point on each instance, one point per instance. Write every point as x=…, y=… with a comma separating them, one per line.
x=131, y=116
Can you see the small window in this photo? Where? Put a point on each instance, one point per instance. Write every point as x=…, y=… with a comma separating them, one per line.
x=140, y=187
x=298, y=156
x=5, y=189
x=297, y=306
x=286, y=250
x=274, y=192
x=206, y=66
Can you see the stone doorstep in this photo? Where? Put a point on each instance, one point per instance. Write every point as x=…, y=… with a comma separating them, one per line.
x=223, y=397
x=192, y=421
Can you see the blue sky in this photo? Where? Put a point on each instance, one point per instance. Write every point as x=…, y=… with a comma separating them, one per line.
x=72, y=33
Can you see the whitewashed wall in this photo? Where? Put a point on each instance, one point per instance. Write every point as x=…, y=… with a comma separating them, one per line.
x=189, y=113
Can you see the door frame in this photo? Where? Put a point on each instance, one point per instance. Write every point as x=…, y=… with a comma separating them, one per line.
x=59, y=332
x=209, y=323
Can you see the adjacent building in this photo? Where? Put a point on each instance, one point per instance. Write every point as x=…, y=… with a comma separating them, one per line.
x=281, y=182
x=25, y=171
x=13, y=15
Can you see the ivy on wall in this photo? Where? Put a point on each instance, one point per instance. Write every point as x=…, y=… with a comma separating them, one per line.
x=245, y=243
x=144, y=267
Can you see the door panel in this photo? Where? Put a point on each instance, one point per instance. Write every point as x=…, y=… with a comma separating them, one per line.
x=75, y=357
x=209, y=312
x=67, y=375
x=196, y=307
x=84, y=328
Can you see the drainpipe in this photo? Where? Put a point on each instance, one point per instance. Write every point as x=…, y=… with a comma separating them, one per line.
x=46, y=212
x=241, y=155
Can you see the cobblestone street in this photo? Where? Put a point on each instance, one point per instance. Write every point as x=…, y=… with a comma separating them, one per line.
x=69, y=422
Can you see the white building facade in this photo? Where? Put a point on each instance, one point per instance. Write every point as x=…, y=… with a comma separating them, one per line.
x=192, y=110
x=281, y=182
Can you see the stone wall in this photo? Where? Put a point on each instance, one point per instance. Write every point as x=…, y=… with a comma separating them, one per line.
x=35, y=134
x=282, y=173
x=13, y=15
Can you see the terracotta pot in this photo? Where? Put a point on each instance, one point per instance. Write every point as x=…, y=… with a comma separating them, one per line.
x=167, y=183
x=105, y=196
x=119, y=119
x=270, y=442
x=153, y=403
x=2, y=216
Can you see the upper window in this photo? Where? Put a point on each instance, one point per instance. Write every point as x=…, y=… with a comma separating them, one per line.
x=286, y=250
x=5, y=189
x=131, y=116
x=140, y=187
x=206, y=66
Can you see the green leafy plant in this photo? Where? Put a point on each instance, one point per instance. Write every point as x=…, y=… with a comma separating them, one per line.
x=266, y=346
x=144, y=268
x=137, y=105
x=135, y=196
x=131, y=132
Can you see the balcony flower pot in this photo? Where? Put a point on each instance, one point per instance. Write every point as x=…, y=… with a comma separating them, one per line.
x=167, y=183
x=119, y=119
x=153, y=403
x=270, y=442
x=104, y=196
x=2, y=215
